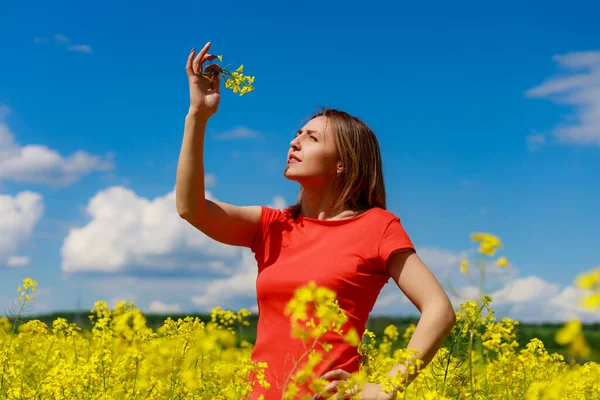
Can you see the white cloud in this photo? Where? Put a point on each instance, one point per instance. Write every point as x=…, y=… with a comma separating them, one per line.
x=237, y=289
x=227, y=292
x=528, y=299
x=18, y=217
x=533, y=299
x=523, y=290
x=239, y=132
x=199, y=292
x=579, y=87
x=441, y=260
x=567, y=305
x=40, y=164
x=443, y=264
x=464, y=294
x=63, y=40
x=158, y=307
x=17, y=261
x=127, y=231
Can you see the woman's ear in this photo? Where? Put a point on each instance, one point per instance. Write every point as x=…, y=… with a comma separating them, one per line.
x=340, y=168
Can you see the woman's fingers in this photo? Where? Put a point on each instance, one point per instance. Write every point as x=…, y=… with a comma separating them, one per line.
x=197, y=64
x=336, y=373
x=212, y=72
x=188, y=65
x=209, y=57
x=332, y=385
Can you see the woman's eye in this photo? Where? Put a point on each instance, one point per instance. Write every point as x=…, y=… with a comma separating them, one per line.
x=314, y=138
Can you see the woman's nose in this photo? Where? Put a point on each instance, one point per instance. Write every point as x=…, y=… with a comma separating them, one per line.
x=295, y=143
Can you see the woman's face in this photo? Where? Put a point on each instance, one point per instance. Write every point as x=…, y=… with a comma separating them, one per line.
x=313, y=158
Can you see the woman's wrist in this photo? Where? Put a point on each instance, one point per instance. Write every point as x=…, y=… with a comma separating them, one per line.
x=198, y=115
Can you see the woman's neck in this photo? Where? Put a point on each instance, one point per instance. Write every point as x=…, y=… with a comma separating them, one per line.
x=317, y=205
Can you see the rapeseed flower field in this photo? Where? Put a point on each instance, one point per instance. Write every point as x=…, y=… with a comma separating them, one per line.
x=120, y=357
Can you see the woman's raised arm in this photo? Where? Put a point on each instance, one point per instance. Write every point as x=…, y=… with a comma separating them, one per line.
x=226, y=223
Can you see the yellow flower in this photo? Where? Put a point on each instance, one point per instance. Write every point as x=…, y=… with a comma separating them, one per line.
x=464, y=266
x=486, y=249
x=220, y=57
x=502, y=262
x=568, y=333
x=488, y=243
x=588, y=280
x=352, y=337
x=591, y=302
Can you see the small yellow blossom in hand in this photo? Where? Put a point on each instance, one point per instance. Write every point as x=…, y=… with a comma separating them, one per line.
x=236, y=81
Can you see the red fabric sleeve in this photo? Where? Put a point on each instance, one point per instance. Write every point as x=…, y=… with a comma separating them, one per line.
x=267, y=216
x=394, y=238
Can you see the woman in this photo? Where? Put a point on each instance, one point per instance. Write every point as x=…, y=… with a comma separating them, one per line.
x=339, y=235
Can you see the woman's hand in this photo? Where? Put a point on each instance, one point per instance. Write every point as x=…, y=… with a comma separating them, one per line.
x=204, y=90
x=370, y=391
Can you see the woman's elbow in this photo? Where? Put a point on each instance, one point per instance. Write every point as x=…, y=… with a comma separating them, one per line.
x=450, y=316
x=444, y=312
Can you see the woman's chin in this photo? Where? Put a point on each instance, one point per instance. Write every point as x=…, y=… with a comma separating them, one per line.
x=291, y=175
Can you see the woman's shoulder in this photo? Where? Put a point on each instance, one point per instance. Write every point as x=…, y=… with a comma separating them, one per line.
x=383, y=214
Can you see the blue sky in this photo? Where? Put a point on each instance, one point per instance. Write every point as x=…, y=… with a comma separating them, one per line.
x=488, y=119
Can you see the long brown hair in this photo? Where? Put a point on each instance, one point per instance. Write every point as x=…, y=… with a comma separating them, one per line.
x=360, y=186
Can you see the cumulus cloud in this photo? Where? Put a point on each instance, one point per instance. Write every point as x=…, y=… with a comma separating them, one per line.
x=443, y=264
x=128, y=232
x=528, y=299
x=233, y=289
x=579, y=87
x=524, y=290
x=40, y=164
x=533, y=299
x=18, y=217
x=228, y=292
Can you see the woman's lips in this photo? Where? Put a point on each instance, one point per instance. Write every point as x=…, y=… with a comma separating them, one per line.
x=293, y=159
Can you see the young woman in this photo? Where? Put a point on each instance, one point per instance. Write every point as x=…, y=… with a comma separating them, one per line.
x=338, y=234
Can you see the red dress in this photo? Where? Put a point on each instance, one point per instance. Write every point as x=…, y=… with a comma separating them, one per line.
x=348, y=256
